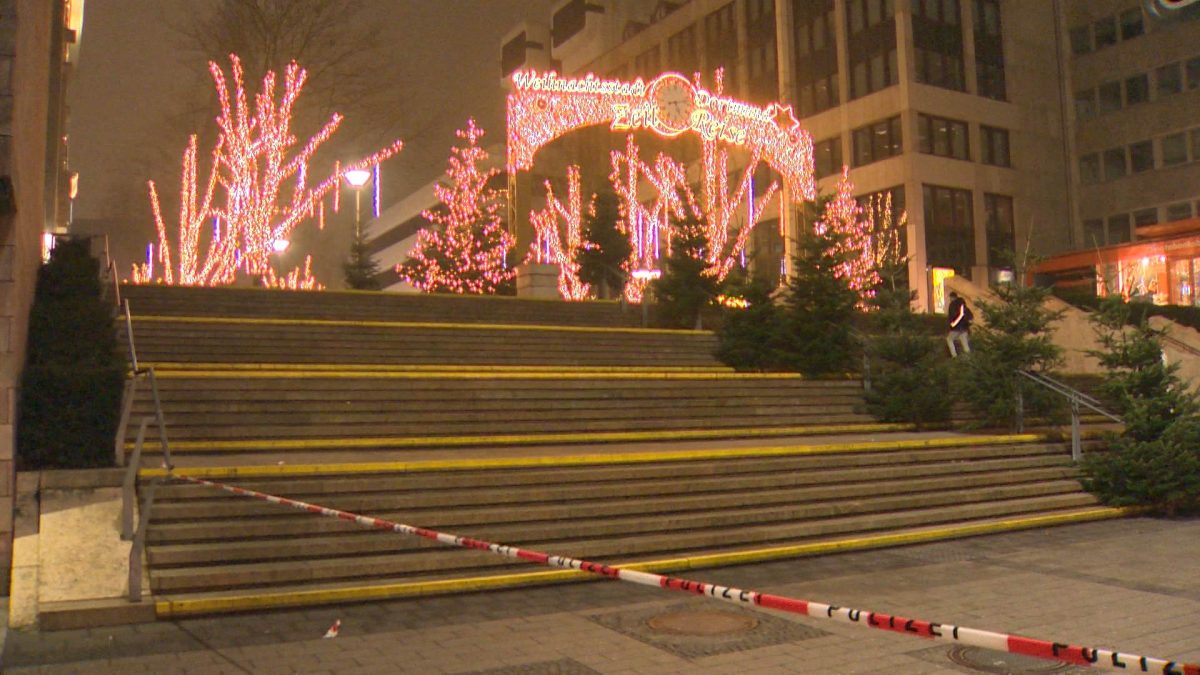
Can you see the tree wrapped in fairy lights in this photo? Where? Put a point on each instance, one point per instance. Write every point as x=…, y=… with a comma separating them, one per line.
x=560, y=246
x=854, y=239
x=262, y=175
x=466, y=250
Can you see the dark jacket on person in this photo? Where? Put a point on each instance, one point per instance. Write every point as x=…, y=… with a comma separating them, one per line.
x=959, y=314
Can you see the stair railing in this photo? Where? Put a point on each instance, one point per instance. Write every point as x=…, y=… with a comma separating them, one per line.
x=129, y=486
x=1078, y=400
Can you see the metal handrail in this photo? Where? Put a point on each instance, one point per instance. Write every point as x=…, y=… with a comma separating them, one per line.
x=1077, y=399
x=129, y=487
x=139, y=542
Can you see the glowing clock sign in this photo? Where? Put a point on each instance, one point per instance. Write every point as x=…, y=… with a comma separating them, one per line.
x=544, y=106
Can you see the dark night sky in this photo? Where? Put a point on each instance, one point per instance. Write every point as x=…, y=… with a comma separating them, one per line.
x=444, y=67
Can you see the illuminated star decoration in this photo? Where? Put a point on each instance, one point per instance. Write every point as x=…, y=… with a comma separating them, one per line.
x=263, y=179
x=467, y=249
x=559, y=246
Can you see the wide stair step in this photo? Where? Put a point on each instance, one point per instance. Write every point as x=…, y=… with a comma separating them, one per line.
x=204, y=542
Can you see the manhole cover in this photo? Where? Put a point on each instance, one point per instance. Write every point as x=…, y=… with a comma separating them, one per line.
x=1003, y=663
x=701, y=622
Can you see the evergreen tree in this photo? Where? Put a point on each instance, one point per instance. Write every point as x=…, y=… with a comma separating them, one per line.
x=1155, y=462
x=815, y=336
x=685, y=287
x=1146, y=391
x=746, y=333
x=468, y=249
x=606, y=248
x=360, y=269
x=1016, y=336
x=909, y=376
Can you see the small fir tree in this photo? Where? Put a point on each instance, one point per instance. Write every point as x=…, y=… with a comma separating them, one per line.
x=468, y=249
x=1155, y=462
x=747, y=332
x=815, y=336
x=1016, y=336
x=910, y=381
x=686, y=286
x=605, y=249
x=361, y=269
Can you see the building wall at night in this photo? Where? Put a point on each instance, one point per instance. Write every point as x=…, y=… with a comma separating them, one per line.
x=947, y=104
x=37, y=41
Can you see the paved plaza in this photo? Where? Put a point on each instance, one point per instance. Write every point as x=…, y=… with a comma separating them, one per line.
x=1131, y=584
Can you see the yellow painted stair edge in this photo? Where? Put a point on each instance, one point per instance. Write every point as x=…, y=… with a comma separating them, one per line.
x=250, y=601
x=483, y=463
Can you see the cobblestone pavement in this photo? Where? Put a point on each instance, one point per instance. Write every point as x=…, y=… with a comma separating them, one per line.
x=1129, y=584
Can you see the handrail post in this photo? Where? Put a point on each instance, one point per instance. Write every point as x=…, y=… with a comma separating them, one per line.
x=129, y=487
x=1076, y=445
x=162, y=423
x=139, y=544
x=129, y=335
x=1020, y=408
x=123, y=424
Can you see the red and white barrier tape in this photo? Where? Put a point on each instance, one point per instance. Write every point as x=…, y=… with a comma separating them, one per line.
x=1014, y=644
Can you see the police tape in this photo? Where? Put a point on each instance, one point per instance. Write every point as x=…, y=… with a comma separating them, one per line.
x=1013, y=644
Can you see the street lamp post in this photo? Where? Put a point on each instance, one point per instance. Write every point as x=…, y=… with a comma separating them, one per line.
x=357, y=178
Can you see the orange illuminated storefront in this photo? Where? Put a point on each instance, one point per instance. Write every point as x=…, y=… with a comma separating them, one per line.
x=1163, y=266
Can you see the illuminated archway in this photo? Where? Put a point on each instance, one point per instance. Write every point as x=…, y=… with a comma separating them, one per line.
x=544, y=107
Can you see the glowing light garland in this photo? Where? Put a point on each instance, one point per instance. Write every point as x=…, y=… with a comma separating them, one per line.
x=559, y=246
x=467, y=250
x=544, y=106
x=299, y=279
x=252, y=162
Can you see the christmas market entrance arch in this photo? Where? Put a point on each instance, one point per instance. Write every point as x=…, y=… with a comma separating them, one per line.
x=544, y=106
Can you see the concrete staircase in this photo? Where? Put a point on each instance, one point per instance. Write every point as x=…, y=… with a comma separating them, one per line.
x=499, y=419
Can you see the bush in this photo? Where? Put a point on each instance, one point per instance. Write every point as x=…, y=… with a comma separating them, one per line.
x=72, y=382
x=744, y=341
x=1163, y=474
x=910, y=380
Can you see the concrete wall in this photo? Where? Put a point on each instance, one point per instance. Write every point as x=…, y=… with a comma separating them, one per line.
x=25, y=27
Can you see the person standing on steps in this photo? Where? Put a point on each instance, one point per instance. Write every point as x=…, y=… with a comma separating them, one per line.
x=960, y=325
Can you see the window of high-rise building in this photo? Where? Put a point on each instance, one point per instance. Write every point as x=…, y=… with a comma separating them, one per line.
x=1000, y=229
x=1137, y=89
x=877, y=141
x=568, y=21
x=871, y=45
x=1192, y=72
x=1131, y=23
x=1089, y=169
x=1093, y=232
x=1118, y=229
x=827, y=157
x=720, y=41
x=989, y=50
x=1141, y=156
x=873, y=205
x=1179, y=211
x=1081, y=40
x=1105, y=31
x=949, y=228
x=942, y=137
x=1145, y=217
x=648, y=63
x=995, y=146
x=1168, y=80
x=683, y=54
x=1085, y=104
x=938, y=43
x=816, y=63
x=1110, y=96
x=764, y=72
x=1174, y=149
x=1194, y=137
x=1115, y=165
